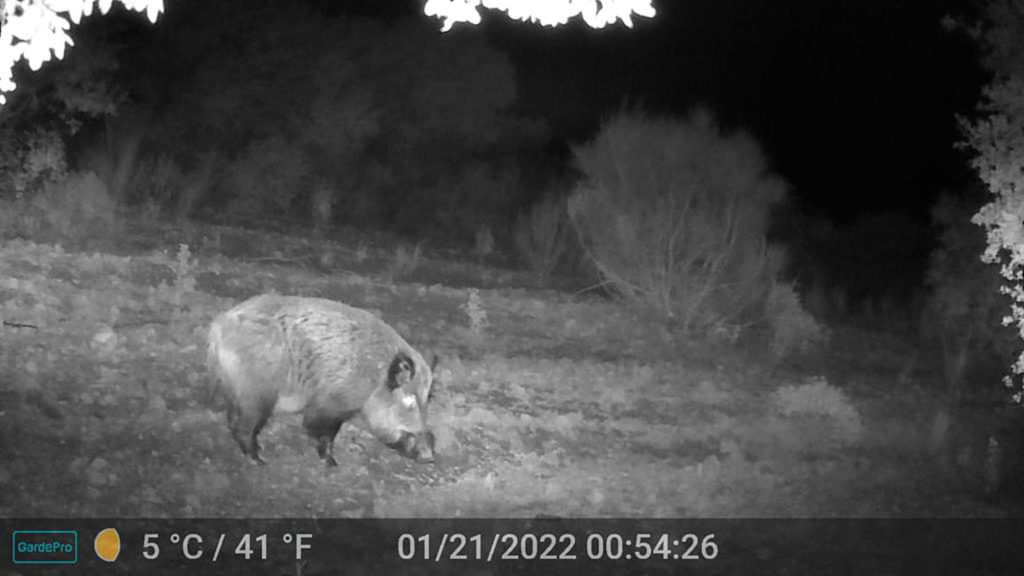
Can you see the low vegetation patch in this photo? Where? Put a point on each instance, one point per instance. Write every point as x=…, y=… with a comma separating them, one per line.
x=550, y=405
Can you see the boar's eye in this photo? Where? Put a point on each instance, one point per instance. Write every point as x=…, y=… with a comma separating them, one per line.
x=401, y=371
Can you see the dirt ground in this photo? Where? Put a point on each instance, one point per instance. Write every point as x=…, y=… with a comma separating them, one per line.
x=549, y=403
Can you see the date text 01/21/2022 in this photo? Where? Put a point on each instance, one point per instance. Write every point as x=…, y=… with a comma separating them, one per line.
x=507, y=547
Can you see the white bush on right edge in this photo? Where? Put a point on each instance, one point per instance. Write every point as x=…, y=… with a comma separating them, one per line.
x=997, y=139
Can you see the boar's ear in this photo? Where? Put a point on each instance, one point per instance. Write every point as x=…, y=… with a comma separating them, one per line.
x=401, y=371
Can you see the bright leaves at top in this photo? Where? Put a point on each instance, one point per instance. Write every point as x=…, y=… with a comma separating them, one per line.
x=547, y=12
x=36, y=29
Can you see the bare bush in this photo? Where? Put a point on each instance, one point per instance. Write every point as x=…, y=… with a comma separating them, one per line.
x=72, y=210
x=461, y=201
x=30, y=161
x=483, y=244
x=154, y=183
x=406, y=262
x=115, y=160
x=793, y=329
x=322, y=206
x=197, y=184
x=815, y=397
x=265, y=179
x=673, y=215
x=964, y=309
x=543, y=236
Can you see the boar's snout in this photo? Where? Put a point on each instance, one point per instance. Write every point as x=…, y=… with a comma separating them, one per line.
x=419, y=447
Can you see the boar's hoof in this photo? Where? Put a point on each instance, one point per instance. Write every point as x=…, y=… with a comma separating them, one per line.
x=325, y=449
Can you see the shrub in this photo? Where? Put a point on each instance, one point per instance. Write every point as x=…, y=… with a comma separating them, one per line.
x=155, y=182
x=673, y=214
x=184, y=278
x=476, y=313
x=475, y=334
x=362, y=252
x=816, y=300
x=74, y=209
x=792, y=327
x=543, y=235
x=30, y=161
x=483, y=244
x=115, y=160
x=474, y=195
x=152, y=184
x=964, y=309
x=266, y=178
x=196, y=184
x=322, y=206
x=405, y=263
x=817, y=398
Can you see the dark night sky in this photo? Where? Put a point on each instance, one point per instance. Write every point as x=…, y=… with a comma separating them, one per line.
x=854, y=102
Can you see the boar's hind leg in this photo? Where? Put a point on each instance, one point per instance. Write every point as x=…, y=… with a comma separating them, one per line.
x=322, y=425
x=246, y=420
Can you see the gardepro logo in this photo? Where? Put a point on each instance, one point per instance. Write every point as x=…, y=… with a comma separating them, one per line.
x=44, y=547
